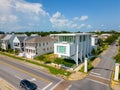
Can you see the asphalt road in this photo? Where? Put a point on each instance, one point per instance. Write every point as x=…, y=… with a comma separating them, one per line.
x=14, y=71
x=99, y=78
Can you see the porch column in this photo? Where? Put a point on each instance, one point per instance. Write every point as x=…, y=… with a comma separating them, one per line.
x=116, y=72
x=85, y=65
x=81, y=48
x=77, y=47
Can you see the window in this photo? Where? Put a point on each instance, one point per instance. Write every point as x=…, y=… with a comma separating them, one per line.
x=61, y=49
x=69, y=39
x=39, y=44
x=43, y=44
x=46, y=43
x=80, y=38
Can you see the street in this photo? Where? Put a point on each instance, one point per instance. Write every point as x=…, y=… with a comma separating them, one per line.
x=14, y=71
x=99, y=78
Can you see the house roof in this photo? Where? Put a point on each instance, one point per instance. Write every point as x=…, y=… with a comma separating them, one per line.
x=21, y=38
x=39, y=39
x=2, y=36
x=70, y=34
x=7, y=37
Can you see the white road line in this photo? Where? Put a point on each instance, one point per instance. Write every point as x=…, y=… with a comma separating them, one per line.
x=39, y=88
x=97, y=82
x=96, y=73
x=33, y=79
x=69, y=87
x=101, y=77
x=18, y=77
x=47, y=86
x=57, y=84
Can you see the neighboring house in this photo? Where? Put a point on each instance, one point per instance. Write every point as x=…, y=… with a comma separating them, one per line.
x=7, y=41
x=94, y=41
x=1, y=37
x=19, y=41
x=104, y=36
x=75, y=46
x=38, y=46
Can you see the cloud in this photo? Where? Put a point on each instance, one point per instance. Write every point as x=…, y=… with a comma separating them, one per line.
x=20, y=15
x=26, y=7
x=102, y=25
x=82, y=18
x=58, y=20
x=89, y=26
x=8, y=19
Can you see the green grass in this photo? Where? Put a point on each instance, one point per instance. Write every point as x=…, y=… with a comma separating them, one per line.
x=66, y=62
x=90, y=67
x=52, y=70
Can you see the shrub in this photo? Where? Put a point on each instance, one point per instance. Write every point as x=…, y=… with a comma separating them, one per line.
x=41, y=58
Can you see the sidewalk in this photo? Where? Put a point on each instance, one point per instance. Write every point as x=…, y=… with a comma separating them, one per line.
x=115, y=85
x=5, y=85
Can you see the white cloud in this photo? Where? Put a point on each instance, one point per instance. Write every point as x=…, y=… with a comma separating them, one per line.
x=89, y=26
x=59, y=20
x=8, y=19
x=20, y=15
x=102, y=25
x=82, y=18
x=76, y=18
x=81, y=26
x=30, y=7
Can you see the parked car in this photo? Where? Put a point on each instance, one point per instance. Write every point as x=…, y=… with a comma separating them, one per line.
x=27, y=85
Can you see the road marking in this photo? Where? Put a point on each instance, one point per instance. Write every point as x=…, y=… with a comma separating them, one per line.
x=69, y=87
x=97, y=82
x=100, y=77
x=18, y=77
x=57, y=84
x=31, y=74
x=39, y=88
x=33, y=79
x=47, y=86
x=96, y=73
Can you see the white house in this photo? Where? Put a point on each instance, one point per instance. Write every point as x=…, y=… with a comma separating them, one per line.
x=38, y=46
x=75, y=46
x=7, y=41
x=19, y=41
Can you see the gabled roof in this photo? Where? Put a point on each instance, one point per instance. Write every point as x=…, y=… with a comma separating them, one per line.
x=2, y=36
x=7, y=37
x=21, y=37
x=38, y=39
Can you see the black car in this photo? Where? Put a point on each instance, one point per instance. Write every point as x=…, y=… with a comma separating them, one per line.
x=27, y=85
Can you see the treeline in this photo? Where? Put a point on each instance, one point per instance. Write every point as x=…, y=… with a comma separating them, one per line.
x=111, y=39
x=42, y=33
x=1, y=32
x=106, y=32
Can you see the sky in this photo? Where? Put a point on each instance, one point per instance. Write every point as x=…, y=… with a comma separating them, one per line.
x=57, y=15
